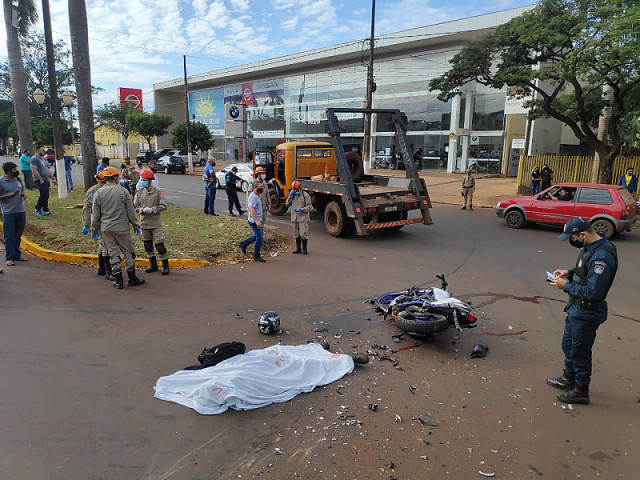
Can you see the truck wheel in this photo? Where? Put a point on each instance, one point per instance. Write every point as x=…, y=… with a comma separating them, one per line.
x=336, y=221
x=355, y=166
x=276, y=204
x=427, y=324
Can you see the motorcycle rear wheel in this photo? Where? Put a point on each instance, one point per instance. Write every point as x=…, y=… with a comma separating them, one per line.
x=427, y=325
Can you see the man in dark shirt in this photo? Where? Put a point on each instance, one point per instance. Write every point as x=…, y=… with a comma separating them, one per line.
x=230, y=180
x=546, y=176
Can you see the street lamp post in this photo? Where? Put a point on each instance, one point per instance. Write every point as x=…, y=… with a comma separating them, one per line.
x=68, y=98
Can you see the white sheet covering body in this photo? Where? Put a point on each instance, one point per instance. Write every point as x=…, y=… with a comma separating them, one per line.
x=255, y=379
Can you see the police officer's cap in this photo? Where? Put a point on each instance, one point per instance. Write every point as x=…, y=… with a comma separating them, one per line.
x=235, y=169
x=573, y=226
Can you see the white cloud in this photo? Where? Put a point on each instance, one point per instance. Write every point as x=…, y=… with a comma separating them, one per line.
x=240, y=5
x=290, y=24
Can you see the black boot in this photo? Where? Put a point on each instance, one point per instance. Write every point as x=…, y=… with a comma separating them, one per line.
x=133, y=280
x=298, y=243
x=109, y=276
x=566, y=382
x=153, y=267
x=576, y=395
x=471, y=207
x=165, y=267
x=259, y=259
x=304, y=246
x=243, y=247
x=118, y=282
x=102, y=265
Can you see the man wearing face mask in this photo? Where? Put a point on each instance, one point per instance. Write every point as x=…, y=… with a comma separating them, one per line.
x=261, y=175
x=104, y=266
x=14, y=219
x=255, y=222
x=153, y=166
x=230, y=180
x=149, y=202
x=587, y=285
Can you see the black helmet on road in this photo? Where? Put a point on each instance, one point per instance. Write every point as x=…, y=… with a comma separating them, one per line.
x=269, y=323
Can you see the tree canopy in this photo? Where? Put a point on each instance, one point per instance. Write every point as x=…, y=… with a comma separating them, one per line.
x=201, y=138
x=576, y=56
x=149, y=125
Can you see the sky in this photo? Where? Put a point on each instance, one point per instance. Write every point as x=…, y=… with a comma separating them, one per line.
x=136, y=43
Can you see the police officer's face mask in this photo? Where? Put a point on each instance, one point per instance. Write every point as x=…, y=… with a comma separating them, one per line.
x=577, y=242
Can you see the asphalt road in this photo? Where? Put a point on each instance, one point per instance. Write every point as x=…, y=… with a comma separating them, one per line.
x=80, y=359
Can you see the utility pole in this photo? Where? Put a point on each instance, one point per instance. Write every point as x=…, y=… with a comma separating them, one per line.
x=366, y=150
x=54, y=102
x=186, y=107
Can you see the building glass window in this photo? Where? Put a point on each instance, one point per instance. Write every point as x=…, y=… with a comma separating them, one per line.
x=488, y=112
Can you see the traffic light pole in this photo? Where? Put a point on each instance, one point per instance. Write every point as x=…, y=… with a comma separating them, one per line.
x=186, y=107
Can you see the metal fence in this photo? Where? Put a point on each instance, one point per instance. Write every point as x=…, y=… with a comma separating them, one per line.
x=569, y=169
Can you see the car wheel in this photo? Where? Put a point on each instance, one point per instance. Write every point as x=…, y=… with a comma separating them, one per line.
x=244, y=186
x=202, y=162
x=514, y=219
x=604, y=228
x=167, y=171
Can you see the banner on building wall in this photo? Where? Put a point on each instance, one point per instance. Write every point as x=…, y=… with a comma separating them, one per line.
x=247, y=94
x=267, y=133
x=131, y=96
x=207, y=106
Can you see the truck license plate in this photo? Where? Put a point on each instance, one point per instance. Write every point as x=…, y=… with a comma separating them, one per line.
x=391, y=208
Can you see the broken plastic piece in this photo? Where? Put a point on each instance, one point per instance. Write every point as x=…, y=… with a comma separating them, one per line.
x=486, y=474
x=428, y=422
x=479, y=351
x=373, y=407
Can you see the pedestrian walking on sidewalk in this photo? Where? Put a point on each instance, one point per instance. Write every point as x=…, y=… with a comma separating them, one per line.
x=43, y=179
x=104, y=265
x=255, y=222
x=300, y=202
x=68, y=161
x=535, y=180
x=468, y=187
x=112, y=214
x=210, y=186
x=149, y=202
x=587, y=285
x=14, y=218
x=230, y=182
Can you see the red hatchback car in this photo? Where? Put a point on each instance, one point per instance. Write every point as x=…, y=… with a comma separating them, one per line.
x=609, y=208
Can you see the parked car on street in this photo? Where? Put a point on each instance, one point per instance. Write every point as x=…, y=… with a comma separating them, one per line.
x=245, y=174
x=197, y=159
x=145, y=156
x=610, y=208
x=171, y=163
x=158, y=154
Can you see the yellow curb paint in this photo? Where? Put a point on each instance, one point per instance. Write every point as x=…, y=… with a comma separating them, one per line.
x=75, y=258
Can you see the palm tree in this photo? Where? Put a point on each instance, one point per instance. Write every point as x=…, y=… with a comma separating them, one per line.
x=82, y=71
x=19, y=15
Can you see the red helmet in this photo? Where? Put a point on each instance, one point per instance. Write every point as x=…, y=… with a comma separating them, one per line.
x=147, y=173
x=296, y=185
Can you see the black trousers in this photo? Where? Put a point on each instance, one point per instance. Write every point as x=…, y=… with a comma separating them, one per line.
x=232, y=196
x=43, y=200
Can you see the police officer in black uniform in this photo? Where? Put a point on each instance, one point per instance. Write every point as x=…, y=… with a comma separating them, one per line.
x=230, y=179
x=587, y=285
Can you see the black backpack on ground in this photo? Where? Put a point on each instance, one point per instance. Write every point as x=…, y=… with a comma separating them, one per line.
x=214, y=355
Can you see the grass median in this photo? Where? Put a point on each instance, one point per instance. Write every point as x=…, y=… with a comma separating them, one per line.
x=189, y=233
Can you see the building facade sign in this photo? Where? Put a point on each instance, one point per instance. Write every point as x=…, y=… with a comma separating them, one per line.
x=132, y=96
x=207, y=106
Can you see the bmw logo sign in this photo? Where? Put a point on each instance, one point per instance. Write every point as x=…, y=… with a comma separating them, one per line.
x=234, y=112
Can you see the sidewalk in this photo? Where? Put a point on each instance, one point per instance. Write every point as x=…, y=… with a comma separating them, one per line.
x=444, y=188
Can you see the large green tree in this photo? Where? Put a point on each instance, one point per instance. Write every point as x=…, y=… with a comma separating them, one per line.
x=149, y=125
x=19, y=16
x=116, y=116
x=79, y=31
x=201, y=138
x=581, y=59
x=43, y=131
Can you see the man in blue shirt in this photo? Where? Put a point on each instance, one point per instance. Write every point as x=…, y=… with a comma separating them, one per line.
x=25, y=167
x=629, y=181
x=210, y=183
x=13, y=216
x=587, y=285
x=255, y=222
x=68, y=161
x=43, y=178
x=103, y=164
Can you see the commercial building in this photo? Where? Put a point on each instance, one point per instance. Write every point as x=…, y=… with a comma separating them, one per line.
x=286, y=99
